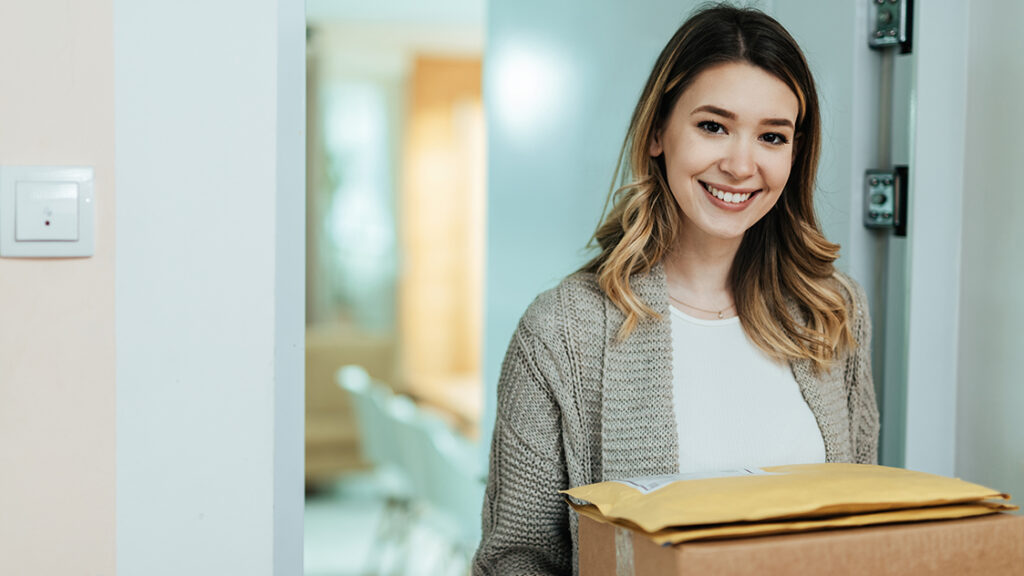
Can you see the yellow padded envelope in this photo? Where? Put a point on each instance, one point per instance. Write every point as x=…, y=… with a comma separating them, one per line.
x=673, y=536
x=803, y=491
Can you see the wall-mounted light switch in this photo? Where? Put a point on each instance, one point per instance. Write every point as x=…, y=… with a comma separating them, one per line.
x=46, y=212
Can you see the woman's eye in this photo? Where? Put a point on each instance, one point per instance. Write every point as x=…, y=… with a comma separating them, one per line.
x=710, y=126
x=774, y=138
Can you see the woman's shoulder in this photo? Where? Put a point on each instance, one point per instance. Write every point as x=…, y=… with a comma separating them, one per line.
x=577, y=298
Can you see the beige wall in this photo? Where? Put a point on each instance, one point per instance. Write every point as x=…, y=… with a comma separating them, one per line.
x=57, y=434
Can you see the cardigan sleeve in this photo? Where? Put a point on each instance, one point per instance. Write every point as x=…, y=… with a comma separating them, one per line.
x=864, y=419
x=525, y=528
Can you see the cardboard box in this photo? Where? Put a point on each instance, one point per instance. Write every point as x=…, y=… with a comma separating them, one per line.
x=986, y=546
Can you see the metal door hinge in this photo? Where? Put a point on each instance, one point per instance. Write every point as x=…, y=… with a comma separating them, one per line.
x=885, y=199
x=891, y=24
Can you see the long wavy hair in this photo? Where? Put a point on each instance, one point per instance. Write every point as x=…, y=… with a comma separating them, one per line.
x=784, y=258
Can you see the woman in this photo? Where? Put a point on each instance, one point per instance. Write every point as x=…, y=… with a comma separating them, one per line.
x=712, y=330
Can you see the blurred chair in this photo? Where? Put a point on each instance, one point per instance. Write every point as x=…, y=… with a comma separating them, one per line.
x=376, y=435
x=431, y=471
x=332, y=436
x=415, y=429
x=377, y=411
x=458, y=489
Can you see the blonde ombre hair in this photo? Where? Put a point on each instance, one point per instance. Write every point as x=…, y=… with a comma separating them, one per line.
x=784, y=258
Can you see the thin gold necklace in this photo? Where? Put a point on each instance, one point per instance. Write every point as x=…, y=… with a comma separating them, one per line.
x=720, y=313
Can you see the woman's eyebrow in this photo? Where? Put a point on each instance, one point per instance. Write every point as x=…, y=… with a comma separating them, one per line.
x=732, y=116
x=777, y=122
x=714, y=110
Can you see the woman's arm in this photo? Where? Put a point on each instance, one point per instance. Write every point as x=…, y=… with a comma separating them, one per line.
x=525, y=520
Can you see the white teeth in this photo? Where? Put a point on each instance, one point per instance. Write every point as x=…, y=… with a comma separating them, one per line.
x=730, y=197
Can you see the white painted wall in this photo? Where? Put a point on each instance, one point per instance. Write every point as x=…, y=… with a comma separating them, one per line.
x=990, y=398
x=936, y=195
x=289, y=328
x=57, y=464
x=209, y=316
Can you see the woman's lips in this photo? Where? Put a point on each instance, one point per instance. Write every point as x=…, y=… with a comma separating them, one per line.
x=728, y=199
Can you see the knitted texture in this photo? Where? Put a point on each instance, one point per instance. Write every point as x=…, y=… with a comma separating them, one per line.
x=576, y=406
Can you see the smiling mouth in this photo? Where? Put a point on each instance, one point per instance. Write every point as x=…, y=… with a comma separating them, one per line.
x=735, y=198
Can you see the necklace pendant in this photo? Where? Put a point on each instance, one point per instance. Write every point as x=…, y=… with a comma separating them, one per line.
x=720, y=314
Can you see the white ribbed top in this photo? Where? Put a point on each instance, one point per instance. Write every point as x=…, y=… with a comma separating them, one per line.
x=734, y=406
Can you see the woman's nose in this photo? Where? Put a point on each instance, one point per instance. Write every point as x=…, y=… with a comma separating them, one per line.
x=739, y=161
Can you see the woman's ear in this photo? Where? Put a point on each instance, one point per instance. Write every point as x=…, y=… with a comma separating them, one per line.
x=655, y=149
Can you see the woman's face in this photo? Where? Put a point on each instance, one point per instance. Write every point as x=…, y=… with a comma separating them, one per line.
x=728, y=147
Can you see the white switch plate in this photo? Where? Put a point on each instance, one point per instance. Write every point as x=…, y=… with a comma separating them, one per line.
x=46, y=211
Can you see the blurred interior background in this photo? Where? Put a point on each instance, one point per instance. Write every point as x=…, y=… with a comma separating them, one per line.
x=395, y=265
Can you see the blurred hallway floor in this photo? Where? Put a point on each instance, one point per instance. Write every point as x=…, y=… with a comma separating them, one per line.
x=342, y=522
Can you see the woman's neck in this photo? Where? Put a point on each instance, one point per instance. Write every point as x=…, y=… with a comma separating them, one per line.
x=697, y=270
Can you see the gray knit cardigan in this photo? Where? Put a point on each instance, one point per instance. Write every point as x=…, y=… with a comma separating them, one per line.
x=576, y=406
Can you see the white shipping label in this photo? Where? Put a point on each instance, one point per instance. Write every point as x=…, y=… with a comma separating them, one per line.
x=648, y=484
